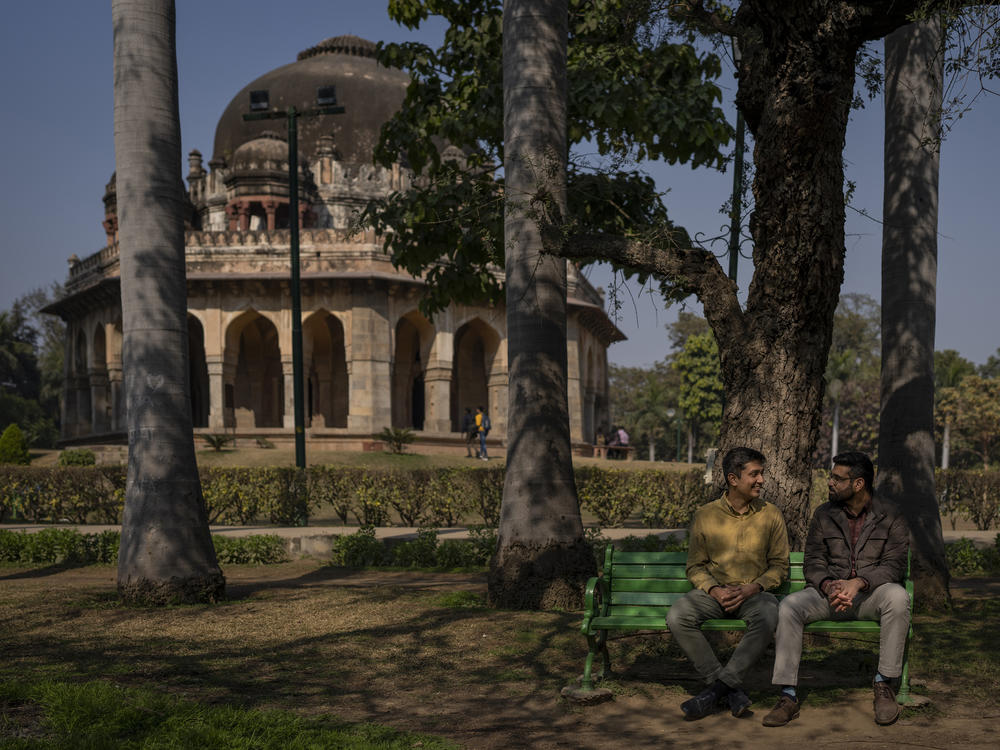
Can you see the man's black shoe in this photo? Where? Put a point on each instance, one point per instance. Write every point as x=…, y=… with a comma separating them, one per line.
x=701, y=705
x=739, y=702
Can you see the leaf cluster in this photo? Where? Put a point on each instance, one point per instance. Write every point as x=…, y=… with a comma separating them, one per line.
x=630, y=95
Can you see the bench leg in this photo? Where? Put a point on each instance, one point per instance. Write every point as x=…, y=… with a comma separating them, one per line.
x=597, y=644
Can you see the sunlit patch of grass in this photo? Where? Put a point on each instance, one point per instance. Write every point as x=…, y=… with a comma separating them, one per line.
x=459, y=599
x=100, y=714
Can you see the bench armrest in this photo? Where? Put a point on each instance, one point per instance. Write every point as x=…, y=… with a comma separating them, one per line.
x=596, y=599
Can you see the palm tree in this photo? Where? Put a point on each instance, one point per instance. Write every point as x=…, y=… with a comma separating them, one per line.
x=542, y=560
x=914, y=71
x=949, y=370
x=166, y=551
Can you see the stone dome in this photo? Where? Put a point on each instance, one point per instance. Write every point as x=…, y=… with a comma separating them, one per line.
x=268, y=151
x=370, y=94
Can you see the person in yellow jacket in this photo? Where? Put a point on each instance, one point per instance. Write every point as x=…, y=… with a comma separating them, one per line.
x=737, y=552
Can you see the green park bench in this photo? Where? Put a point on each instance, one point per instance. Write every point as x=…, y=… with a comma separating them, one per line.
x=635, y=590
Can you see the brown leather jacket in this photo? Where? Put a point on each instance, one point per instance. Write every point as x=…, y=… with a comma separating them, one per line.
x=879, y=556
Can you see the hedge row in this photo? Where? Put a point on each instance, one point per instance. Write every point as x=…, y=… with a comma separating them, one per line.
x=281, y=495
x=68, y=546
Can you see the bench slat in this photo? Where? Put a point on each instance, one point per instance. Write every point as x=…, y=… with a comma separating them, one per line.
x=645, y=597
x=670, y=558
x=653, y=585
x=648, y=570
x=629, y=622
x=842, y=626
x=622, y=610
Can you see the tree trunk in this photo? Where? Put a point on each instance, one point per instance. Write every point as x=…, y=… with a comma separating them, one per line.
x=542, y=559
x=166, y=552
x=796, y=99
x=913, y=74
x=690, y=444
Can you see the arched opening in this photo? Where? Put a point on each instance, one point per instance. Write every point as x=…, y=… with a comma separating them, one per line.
x=325, y=364
x=476, y=346
x=414, y=336
x=257, y=389
x=197, y=373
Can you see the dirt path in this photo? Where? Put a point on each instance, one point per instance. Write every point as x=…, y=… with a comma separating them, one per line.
x=492, y=716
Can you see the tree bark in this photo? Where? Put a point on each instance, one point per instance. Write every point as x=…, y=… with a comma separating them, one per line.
x=913, y=95
x=166, y=552
x=542, y=559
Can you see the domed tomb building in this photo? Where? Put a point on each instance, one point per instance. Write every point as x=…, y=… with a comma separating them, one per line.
x=370, y=358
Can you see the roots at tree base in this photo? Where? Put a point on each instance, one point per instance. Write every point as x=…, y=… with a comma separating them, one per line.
x=550, y=576
x=193, y=590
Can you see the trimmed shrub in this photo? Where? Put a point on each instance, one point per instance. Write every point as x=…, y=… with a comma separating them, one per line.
x=77, y=457
x=358, y=550
x=14, y=447
x=257, y=549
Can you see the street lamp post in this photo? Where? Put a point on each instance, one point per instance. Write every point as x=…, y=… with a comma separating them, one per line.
x=736, y=216
x=676, y=418
x=259, y=100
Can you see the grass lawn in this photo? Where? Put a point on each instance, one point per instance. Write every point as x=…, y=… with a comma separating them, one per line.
x=303, y=650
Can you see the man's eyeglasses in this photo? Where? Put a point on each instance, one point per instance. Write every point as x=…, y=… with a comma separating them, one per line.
x=839, y=480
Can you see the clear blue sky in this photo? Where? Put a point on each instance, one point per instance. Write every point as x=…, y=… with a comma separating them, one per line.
x=57, y=153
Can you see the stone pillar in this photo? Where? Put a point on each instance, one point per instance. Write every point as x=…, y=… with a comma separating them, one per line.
x=496, y=386
x=243, y=208
x=84, y=423
x=370, y=354
x=573, y=394
x=232, y=212
x=97, y=379
x=437, y=396
x=270, y=208
x=216, y=391
x=288, y=375
x=117, y=396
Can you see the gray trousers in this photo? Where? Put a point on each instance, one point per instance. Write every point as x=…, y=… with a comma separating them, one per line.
x=888, y=605
x=687, y=614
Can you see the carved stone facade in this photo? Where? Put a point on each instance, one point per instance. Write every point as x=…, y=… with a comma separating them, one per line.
x=370, y=358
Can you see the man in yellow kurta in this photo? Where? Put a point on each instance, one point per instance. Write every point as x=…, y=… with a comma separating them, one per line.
x=737, y=553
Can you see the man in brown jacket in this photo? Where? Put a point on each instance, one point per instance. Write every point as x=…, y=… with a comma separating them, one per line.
x=737, y=551
x=854, y=561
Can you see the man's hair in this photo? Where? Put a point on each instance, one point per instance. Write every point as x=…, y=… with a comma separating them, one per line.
x=859, y=466
x=737, y=458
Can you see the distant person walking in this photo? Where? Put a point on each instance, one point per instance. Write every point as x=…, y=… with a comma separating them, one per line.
x=470, y=432
x=483, y=428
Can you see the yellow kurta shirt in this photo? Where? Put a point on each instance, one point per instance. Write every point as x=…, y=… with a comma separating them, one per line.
x=725, y=547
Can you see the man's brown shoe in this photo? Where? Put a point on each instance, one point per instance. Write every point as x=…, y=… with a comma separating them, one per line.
x=786, y=709
x=886, y=708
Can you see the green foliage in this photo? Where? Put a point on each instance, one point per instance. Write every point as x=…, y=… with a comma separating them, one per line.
x=973, y=495
x=701, y=391
x=438, y=498
x=973, y=409
x=397, y=438
x=217, y=441
x=106, y=715
x=68, y=546
x=257, y=549
x=77, y=457
x=661, y=499
x=81, y=494
x=13, y=447
x=966, y=559
x=418, y=553
x=632, y=96
x=358, y=550
x=362, y=549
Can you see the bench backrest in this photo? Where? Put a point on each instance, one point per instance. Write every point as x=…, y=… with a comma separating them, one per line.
x=645, y=584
